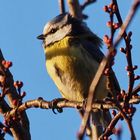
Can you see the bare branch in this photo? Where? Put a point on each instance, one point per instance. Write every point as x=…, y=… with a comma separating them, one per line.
x=62, y=6
x=110, y=127
x=74, y=8
x=95, y=82
x=86, y=3
x=91, y=95
x=127, y=21
x=136, y=89
x=19, y=130
x=64, y=103
x=127, y=39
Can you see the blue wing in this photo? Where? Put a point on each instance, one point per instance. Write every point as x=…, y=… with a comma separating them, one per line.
x=92, y=46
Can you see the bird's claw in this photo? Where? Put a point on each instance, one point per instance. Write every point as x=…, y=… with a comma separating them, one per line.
x=84, y=102
x=54, y=106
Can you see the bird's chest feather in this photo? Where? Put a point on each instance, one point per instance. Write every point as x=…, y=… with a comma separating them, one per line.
x=71, y=68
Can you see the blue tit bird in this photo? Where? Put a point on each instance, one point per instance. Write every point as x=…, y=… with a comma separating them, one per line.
x=73, y=55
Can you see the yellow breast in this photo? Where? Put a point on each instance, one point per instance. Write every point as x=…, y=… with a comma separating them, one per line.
x=72, y=69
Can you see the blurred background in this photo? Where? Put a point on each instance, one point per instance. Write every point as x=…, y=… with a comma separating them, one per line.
x=20, y=23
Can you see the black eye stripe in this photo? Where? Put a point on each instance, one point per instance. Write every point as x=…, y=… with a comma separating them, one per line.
x=53, y=30
x=50, y=32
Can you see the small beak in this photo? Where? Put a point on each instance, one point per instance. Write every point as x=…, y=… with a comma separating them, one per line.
x=41, y=37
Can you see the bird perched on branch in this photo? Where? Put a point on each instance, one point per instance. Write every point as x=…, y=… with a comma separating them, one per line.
x=73, y=56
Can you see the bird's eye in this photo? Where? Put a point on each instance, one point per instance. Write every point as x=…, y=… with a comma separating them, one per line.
x=53, y=31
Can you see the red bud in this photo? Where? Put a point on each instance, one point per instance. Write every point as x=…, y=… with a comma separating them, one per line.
x=15, y=102
x=6, y=64
x=122, y=50
x=105, y=8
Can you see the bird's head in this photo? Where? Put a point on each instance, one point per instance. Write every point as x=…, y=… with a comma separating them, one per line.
x=62, y=26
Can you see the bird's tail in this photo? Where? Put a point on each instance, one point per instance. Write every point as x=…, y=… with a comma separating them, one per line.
x=99, y=121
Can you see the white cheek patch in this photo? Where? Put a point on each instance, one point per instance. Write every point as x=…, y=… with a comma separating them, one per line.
x=58, y=35
x=46, y=28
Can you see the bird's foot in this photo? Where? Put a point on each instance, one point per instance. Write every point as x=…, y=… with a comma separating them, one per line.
x=84, y=102
x=54, y=106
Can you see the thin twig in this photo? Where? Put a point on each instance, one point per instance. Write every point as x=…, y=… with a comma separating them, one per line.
x=136, y=89
x=19, y=130
x=128, y=121
x=123, y=33
x=7, y=129
x=62, y=6
x=87, y=3
x=74, y=8
x=127, y=21
x=64, y=103
x=96, y=81
x=91, y=96
x=110, y=127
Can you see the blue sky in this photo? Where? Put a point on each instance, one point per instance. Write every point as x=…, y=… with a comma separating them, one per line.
x=21, y=22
